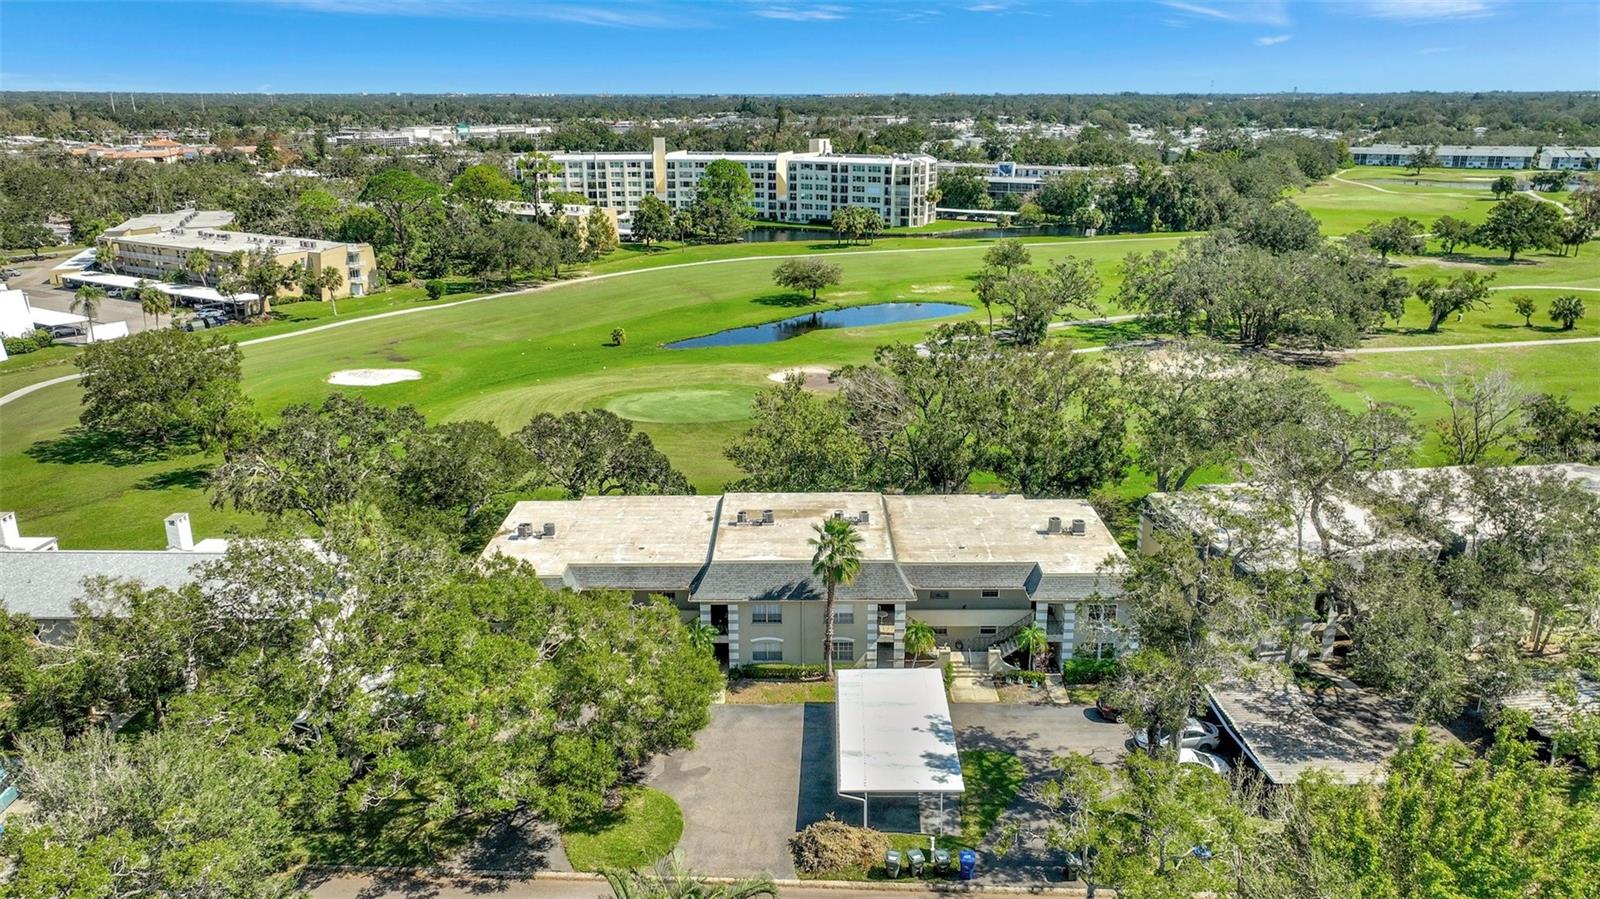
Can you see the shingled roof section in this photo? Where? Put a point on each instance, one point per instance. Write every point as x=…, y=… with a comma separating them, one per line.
x=631, y=577
x=770, y=581
x=972, y=575
x=45, y=584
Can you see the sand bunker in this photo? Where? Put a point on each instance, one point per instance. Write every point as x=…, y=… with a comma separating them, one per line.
x=931, y=288
x=373, y=377
x=815, y=377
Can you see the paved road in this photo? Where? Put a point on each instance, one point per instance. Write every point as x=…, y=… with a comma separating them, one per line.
x=572, y=887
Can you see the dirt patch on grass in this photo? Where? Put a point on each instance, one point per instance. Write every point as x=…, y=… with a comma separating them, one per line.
x=815, y=377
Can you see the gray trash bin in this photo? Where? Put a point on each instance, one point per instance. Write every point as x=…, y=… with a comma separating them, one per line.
x=891, y=863
x=916, y=862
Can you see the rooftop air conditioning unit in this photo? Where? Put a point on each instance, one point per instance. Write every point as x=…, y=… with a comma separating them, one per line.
x=1053, y=526
x=838, y=513
x=865, y=517
x=766, y=516
x=524, y=530
x=742, y=517
x=1078, y=527
x=549, y=529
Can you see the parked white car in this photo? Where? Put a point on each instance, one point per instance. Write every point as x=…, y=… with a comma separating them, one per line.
x=1207, y=760
x=1197, y=734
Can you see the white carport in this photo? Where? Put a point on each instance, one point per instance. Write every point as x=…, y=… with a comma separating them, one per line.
x=893, y=736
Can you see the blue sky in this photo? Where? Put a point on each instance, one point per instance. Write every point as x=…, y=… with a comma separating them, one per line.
x=799, y=46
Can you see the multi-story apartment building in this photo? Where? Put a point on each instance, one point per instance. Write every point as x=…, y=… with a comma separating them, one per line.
x=791, y=187
x=1450, y=157
x=153, y=246
x=976, y=568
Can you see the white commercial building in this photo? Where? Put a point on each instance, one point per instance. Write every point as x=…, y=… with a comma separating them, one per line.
x=790, y=187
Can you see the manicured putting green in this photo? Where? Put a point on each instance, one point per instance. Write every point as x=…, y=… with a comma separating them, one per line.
x=685, y=405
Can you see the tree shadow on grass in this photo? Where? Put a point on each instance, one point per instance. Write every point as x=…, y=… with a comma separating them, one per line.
x=787, y=300
x=78, y=446
x=1109, y=332
x=191, y=477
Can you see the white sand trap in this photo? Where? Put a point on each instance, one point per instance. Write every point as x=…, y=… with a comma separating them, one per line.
x=373, y=377
x=931, y=288
x=815, y=377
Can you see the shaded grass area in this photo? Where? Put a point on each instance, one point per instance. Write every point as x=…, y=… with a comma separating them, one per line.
x=639, y=833
x=399, y=833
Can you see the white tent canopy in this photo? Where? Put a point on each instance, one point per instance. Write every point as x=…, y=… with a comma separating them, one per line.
x=894, y=733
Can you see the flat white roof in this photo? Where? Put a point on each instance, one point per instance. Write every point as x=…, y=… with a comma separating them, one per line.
x=128, y=282
x=46, y=318
x=894, y=733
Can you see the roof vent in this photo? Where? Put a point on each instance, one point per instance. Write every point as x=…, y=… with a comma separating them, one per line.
x=838, y=513
x=1053, y=526
x=865, y=517
x=549, y=529
x=1078, y=526
x=742, y=518
x=524, y=530
x=766, y=516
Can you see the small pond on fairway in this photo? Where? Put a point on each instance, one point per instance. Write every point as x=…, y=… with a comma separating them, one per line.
x=794, y=326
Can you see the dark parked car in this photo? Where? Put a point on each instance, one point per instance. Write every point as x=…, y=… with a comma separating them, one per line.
x=204, y=320
x=1108, y=712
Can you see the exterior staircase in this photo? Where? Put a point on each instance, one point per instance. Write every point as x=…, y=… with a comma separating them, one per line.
x=1005, y=640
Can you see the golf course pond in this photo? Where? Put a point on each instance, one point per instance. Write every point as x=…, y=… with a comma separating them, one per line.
x=795, y=326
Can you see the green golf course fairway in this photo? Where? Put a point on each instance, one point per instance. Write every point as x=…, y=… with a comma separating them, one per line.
x=508, y=358
x=685, y=405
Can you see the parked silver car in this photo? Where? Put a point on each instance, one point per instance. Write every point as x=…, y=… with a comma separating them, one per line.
x=1197, y=734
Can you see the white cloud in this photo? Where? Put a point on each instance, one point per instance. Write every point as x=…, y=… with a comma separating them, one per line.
x=1428, y=9
x=1255, y=12
x=570, y=13
x=802, y=13
x=986, y=7
x=1268, y=40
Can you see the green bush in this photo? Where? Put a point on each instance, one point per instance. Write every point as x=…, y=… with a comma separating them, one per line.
x=1028, y=677
x=949, y=676
x=37, y=340
x=1088, y=671
x=778, y=671
x=435, y=288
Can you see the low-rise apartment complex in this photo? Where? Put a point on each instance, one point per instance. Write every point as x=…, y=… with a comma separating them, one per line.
x=791, y=187
x=1571, y=159
x=976, y=568
x=155, y=246
x=1450, y=157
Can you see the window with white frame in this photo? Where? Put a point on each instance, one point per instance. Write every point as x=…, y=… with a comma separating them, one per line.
x=766, y=649
x=766, y=613
x=843, y=650
x=844, y=614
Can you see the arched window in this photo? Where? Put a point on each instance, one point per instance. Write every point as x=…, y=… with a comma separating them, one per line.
x=766, y=649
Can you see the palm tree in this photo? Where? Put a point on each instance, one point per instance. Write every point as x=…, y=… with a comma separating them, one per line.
x=920, y=638
x=139, y=287
x=105, y=256
x=671, y=879
x=1034, y=641
x=330, y=280
x=154, y=301
x=837, y=561
x=86, y=302
x=197, y=263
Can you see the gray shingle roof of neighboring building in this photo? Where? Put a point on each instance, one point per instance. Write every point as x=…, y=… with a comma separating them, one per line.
x=732, y=581
x=976, y=575
x=630, y=577
x=1070, y=587
x=45, y=584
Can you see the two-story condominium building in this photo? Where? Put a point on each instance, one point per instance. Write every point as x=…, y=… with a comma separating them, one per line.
x=976, y=568
x=791, y=187
x=1573, y=159
x=1450, y=157
x=153, y=246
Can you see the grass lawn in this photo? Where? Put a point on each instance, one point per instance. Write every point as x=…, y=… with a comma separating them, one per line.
x=637, y=835
x=778, y=692
x=993, y=779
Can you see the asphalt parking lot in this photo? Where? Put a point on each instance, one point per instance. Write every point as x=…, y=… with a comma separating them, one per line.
x=759, y=773
x=34, y=281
